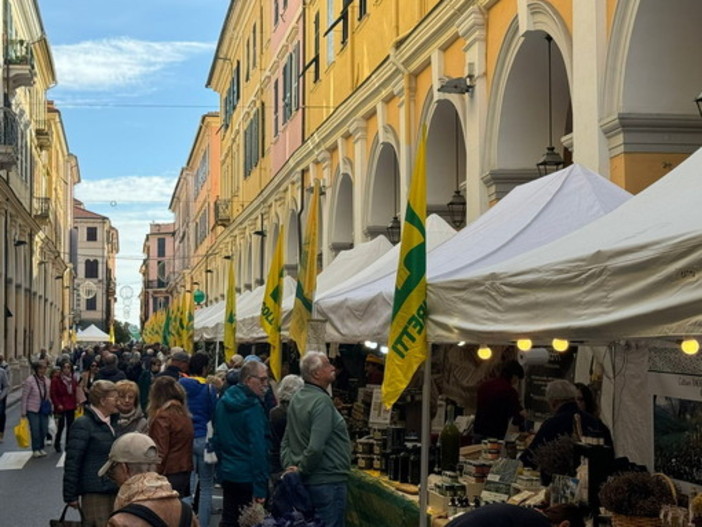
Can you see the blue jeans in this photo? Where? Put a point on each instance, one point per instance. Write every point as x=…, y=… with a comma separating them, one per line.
x=39, y=427
x=329, y=501
x=205, y=474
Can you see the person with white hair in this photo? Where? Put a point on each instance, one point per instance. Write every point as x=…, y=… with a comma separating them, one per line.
x=316, y=442
x=561, y=397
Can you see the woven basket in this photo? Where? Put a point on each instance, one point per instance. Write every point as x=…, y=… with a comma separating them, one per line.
x=619, y=520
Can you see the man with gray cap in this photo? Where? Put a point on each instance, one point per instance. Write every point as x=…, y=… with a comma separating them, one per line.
x=145, y=498
x=178, y=364
x=561, y=397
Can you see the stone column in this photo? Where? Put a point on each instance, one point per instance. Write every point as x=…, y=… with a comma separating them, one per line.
x=359, y=131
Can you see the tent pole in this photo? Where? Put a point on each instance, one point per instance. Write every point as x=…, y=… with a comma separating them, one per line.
x=216, y=354
x=426, y=440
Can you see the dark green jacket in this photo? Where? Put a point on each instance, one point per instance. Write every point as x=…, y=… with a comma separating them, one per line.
x=89, y=443
x=316, y=439
x=242, y=439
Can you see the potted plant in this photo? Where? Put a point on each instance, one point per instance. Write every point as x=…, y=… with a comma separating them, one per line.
x=635, y=499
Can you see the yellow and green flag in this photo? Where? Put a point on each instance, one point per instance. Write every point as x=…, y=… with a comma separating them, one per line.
x=407, y=345
x=271, y=307
x=112, y=333
x=306, y=277
x=188, y=321
x=230, y=314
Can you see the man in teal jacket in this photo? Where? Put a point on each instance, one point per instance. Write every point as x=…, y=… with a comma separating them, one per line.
x=316, y=442
x=242, y=441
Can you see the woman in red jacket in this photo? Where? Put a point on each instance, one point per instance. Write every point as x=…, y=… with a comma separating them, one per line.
x=64, y=389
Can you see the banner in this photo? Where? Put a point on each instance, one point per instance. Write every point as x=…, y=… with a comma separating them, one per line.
x=271, y=307
x=306, y=277
x=407, y=345
x=230, y=314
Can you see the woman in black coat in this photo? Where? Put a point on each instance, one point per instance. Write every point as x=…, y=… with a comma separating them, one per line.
x=87, y=450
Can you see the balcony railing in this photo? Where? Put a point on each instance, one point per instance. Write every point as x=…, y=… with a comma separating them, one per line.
x=9, y=139
x=42, y=208
x=223, y=213
x=156, y=284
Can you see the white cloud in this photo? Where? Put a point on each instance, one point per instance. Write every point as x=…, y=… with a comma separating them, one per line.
x=103, y=65
x=127, y=189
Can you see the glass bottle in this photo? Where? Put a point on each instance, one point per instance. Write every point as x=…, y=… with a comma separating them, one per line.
x=450, y=443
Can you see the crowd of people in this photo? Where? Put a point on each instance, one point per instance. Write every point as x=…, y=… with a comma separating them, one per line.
x=156, y=431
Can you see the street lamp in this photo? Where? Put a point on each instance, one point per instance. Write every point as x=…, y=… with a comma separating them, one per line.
x=551, y=160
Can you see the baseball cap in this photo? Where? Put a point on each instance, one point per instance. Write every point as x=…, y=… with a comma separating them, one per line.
x=180, y=356
x=131, y=448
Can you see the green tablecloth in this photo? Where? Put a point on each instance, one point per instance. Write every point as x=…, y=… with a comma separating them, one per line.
x=373, y=504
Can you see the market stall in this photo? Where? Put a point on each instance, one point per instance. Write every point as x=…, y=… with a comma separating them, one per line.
x=529, y=217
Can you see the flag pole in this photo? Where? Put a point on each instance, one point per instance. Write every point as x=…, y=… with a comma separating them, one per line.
x=426, y=440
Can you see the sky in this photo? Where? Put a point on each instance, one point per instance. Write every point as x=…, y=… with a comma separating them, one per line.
x=131, y=90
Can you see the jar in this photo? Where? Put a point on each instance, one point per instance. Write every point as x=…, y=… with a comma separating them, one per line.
x=415, y=466
x=365, y=462
x=403, y=459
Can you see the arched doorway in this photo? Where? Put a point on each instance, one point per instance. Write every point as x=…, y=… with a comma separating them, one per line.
x=384, y=191
x=341, y=215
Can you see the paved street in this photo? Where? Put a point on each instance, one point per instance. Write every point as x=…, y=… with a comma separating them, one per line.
x=30, y=489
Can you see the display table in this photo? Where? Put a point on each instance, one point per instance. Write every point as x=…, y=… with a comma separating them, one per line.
x=372, y=502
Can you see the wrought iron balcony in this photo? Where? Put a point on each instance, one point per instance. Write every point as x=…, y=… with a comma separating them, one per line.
x=42, y=209
x=223, y=212
x=9, y=139
x=156, y=284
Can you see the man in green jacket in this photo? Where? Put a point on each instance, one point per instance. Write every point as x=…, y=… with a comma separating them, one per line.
x=316, y=442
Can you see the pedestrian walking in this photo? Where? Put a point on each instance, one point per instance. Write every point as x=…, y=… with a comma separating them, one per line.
x=131, y=418
x=36, y=406
x=171, y=429
x=87, y=450
x=202, y=400
x=241, y=441
x=64, y=397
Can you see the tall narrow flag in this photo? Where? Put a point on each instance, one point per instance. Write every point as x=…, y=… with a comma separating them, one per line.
x=407, y=345
x=112, y=333
x=306, y=277
x=270, y=309
x=230, y=315
x=166, y=328
x=188, y=321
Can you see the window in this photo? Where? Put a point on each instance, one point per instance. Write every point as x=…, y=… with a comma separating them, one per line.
x=275, y=12
x=201, y=227
x=91, y=269
x=291, y=71
x=161, y=247
x=91, y=304
x=251, y=144
x=248, y=58
x=329, y=34
x=253, y=47
x=276, y=95
x=91, y=234
x=316, y=46
x=203, y=170
x=362, y=9
x=231, y=100
x=161, y=274
x=344, y=16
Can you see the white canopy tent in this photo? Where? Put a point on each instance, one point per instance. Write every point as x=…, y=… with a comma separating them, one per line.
x=332, y=304
x=347, y=263
x=209, y=321
x=92, y=334
x=633, y=273
x=530, y=216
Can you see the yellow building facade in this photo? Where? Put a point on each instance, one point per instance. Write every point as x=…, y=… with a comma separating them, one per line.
x=37, y=175
x=616, y=95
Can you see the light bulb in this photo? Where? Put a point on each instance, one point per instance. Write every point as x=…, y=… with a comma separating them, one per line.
x=461, y=343
x=373, y=345
x=560, y=345
x=384, y=350
x=690, y=346
x=368, y=344
x=524, y=344
x=484, y=352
